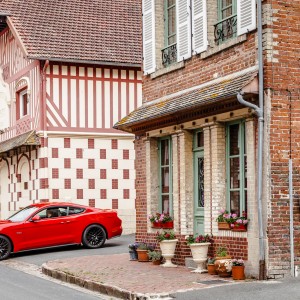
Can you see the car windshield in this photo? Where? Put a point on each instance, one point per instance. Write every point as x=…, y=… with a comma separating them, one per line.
x=22, y=214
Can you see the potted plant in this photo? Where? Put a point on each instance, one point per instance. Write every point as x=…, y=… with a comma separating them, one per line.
x=223, y=262
x=225, y=219
x=132, y=251
x=211, y=268
x=240, y=223
x=163, y=220
x=199, y=247
x=238, y=269
x=142, y=251
x=167, y=242
x=155, y=257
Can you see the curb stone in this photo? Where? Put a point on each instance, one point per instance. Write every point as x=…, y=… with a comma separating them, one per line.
x=105, y=289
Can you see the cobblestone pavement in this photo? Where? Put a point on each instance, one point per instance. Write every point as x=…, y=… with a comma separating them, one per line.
x=117, y=276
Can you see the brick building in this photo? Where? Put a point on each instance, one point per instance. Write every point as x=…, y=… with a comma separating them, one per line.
x=199, y=149
x=69, y=71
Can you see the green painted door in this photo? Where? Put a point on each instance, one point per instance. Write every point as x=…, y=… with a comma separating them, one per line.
x=199, y=192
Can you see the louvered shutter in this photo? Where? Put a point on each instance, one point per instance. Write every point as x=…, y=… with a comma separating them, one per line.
x=246, y=16
x=183, y=19
x=149, y=36
x=199, y=28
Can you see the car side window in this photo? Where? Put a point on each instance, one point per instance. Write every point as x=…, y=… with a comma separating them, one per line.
x=75, y=210
x=53, y=212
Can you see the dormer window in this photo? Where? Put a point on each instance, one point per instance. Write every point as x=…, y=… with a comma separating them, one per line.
x=23, y=103
x=22, y=98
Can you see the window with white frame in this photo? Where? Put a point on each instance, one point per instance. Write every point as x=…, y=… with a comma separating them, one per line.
x=236, y=167
x=189, y=19
x=23, y=103
x=165, y=175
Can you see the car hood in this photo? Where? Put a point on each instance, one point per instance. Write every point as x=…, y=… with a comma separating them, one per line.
x=5, y=223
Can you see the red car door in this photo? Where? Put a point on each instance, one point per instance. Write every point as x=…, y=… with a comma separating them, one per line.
x=46, y=232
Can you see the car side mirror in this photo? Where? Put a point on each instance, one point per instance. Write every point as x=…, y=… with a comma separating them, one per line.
x=35, y=218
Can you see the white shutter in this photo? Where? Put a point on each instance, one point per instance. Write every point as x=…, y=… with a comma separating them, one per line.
x=199, y=28
x=183, y=20
x=149, y=36
x=246, y=16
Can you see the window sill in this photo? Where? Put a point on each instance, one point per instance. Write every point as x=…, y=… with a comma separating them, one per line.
x=230, y=43
x=171, y=68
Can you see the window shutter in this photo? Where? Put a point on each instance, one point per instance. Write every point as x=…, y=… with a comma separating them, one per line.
x=199, y=28
x=149, y=36
x=183, y=29
x=246, y=16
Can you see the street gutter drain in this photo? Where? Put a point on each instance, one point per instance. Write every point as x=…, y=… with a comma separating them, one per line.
x=209, y=282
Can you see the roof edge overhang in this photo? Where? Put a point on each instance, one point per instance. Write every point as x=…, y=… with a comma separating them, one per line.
x=90, y=62
x=19, y=143
x=213, y=98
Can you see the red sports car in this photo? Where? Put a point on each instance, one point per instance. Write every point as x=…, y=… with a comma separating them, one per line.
x=52, y=224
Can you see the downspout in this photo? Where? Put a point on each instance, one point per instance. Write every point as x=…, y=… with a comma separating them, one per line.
x=260, y=114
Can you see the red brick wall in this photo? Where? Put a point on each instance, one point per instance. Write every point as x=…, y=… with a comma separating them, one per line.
x=282, y=77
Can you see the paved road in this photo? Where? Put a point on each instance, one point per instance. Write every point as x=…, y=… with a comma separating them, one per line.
x=21, y=277
x=38, y=257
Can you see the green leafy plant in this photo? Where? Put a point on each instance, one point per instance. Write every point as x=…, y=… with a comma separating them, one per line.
x=165, y=235
x=221, y=252
x=211, y=260
x=225, y=216
x=154, y=255
x=145, y=246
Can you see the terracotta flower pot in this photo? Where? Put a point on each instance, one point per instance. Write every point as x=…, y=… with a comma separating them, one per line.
x=211, y=269
x=238, y=272
x=156, y=262
x=142, y=255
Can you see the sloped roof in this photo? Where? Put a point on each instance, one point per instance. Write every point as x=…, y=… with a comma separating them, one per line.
x=27, y=138
x=87, y=30
x=198, y=96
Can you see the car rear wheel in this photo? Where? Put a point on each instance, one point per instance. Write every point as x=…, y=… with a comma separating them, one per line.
x=5, y=247
x=94, y=236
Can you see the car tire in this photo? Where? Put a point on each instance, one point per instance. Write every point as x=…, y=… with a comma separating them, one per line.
x=94, y=236
x=5, y=247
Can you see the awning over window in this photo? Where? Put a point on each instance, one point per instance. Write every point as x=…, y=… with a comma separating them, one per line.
x=210, y=93
x=29, y=138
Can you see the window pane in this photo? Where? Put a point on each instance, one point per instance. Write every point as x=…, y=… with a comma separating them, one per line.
x=164, y=152
x=200, y=182
x=234, y=173
x=165, y=179
x=165, y=204
x=234, y=139
x=235, y=202
x=200, y=139
x=245, y=164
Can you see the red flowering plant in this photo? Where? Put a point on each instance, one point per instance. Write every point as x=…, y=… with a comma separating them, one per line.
x=165, y=235
x=158, y=217
x=190, y=239
x=240, y=220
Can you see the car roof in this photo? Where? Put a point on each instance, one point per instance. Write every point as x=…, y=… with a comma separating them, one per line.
x=46, y=204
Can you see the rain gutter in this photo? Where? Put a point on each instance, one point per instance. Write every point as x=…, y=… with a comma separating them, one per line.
x=259, y=110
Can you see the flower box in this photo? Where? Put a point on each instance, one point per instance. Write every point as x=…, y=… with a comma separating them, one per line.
x=239, y=227
x=224, y=226
x=166, y=225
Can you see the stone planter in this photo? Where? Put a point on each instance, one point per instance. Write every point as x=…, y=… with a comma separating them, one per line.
x=199, y=253
x=168, y=251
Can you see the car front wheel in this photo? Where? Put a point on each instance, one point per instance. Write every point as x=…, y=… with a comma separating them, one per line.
x=5, y=247
x=94, y=236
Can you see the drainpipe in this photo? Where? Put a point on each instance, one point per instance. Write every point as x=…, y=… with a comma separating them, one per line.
x=260, y=114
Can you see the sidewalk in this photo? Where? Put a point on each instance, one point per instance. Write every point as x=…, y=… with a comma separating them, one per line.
x=114, y=275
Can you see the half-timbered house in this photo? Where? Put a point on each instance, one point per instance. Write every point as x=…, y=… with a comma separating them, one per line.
x=68, y=71
x=219, y=127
